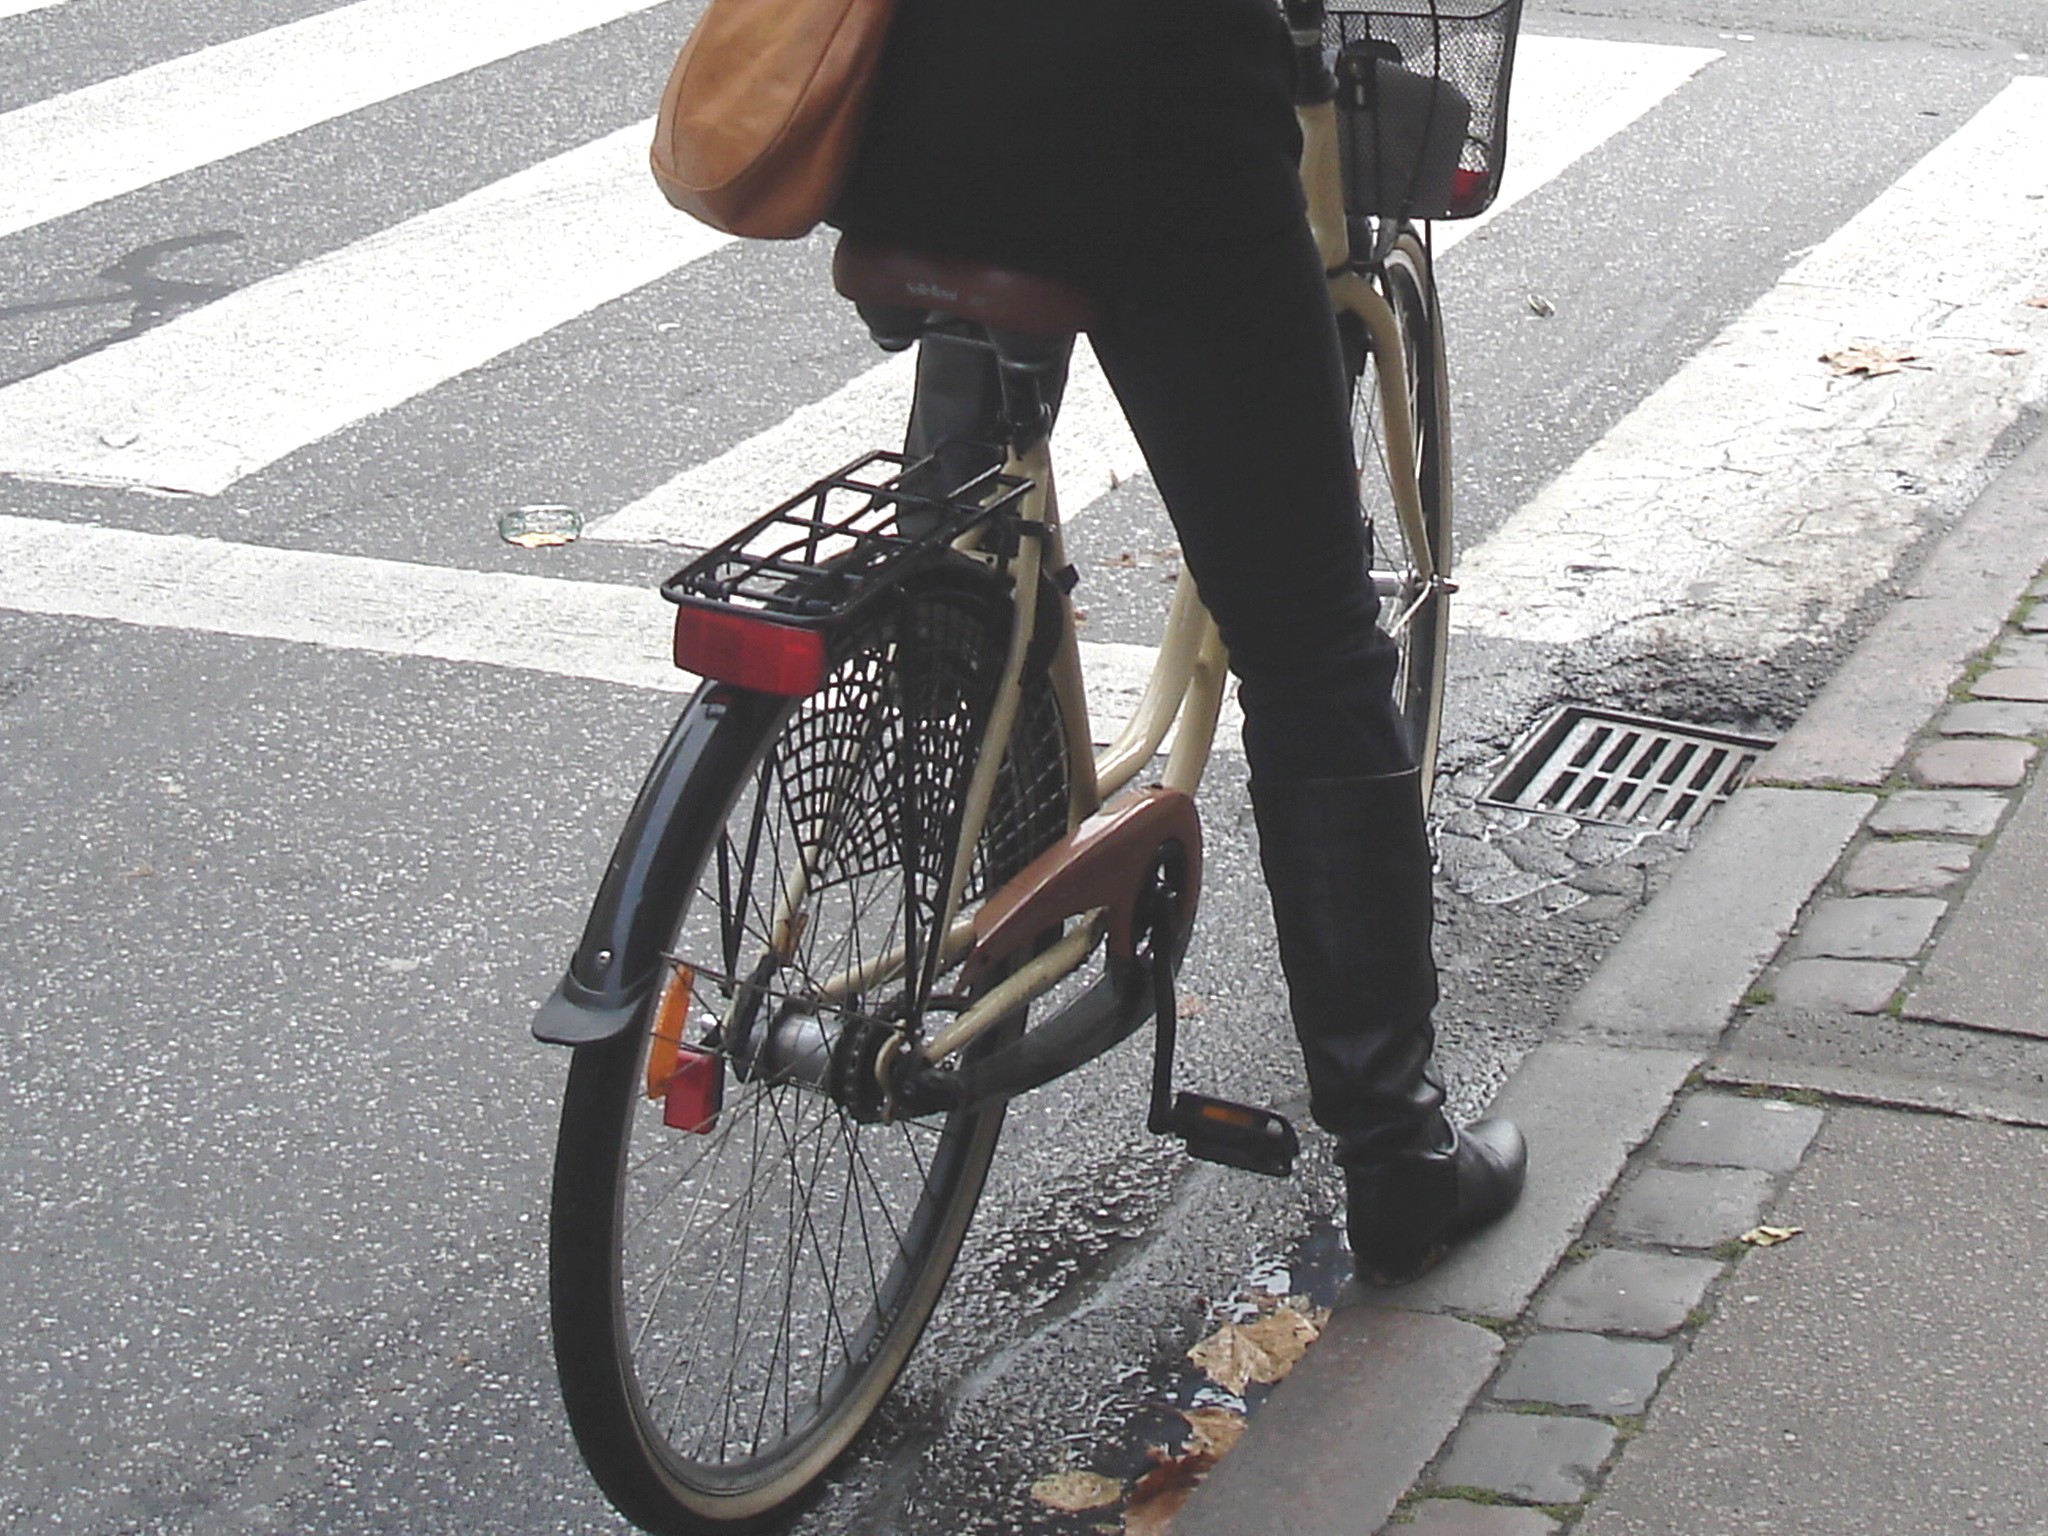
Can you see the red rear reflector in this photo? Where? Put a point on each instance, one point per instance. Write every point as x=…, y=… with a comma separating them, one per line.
x=696, y=1091
x=1468, y=191
x=740, y=648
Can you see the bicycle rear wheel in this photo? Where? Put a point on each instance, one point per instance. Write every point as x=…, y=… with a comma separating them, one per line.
x=730, y=1305
x=1414, y=609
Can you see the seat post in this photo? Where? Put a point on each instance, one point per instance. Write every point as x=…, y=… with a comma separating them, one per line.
x=1033, y=379
x=1028, y=321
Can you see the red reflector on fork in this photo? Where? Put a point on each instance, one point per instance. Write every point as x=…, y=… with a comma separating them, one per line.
x=696, y=1091
x=747, y=651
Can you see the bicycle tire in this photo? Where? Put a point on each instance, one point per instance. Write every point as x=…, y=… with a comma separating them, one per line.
x=854, y=780
x=1408, y=283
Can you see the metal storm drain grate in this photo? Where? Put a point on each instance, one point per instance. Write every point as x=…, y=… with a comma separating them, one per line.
x=1626, y=770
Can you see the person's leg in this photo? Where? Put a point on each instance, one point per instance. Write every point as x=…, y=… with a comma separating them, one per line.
x=1227, y=364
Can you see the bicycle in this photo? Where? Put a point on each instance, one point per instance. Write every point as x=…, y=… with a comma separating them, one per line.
x=879, y=834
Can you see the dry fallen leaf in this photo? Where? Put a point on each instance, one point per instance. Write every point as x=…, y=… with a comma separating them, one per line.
x=1227, y=1358
x=2038, y=301
x=1189, y=1005
x=1770, y=1237
x=1213, y=1431
x=1162, y=1491
x=1263, y=1351
x=1870, y=361
x=2008, y=351
x=1072, y=1492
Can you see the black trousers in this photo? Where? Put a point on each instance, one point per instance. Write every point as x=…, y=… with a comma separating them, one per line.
x=1146, y=151
x=1226, y=362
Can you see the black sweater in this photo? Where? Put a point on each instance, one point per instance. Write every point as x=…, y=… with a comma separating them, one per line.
x=1067, y=132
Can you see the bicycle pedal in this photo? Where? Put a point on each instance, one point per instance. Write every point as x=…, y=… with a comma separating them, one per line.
x=1236, y=1135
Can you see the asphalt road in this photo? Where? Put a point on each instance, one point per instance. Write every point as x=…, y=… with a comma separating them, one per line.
x=277, y=907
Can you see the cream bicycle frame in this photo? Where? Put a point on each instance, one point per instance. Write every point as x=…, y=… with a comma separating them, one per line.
x=1188, y=676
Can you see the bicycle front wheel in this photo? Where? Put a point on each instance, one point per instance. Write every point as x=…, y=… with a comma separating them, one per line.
x=731, y=1302
x=1411, y=565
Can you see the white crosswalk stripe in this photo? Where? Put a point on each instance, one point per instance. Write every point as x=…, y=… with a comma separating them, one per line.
x=1756, y=494
x=229, y=389
x=615, y=634
x=1794, y=504
x=597, y=630
x=75, y=150
x=1093, y=452
x=23, y=7
x=1571, y=95
x=221, y=392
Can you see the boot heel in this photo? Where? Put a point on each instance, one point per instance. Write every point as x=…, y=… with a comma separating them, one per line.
x=1406, y=1212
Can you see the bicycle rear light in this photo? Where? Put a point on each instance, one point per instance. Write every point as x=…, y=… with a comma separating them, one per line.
x=1471, y=191
x=733, y=646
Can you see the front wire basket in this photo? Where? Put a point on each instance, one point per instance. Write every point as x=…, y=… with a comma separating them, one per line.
x=1422, y=104
x=814, y=559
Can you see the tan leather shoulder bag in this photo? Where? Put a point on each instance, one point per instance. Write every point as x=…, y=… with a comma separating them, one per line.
x=763, y=111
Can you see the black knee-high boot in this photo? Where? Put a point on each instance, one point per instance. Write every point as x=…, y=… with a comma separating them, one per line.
x=1348, y=868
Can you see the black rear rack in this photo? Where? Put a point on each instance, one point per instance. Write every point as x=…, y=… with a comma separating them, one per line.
x=816, y=557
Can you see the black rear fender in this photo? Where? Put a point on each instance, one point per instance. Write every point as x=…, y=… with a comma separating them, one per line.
x=654, y=866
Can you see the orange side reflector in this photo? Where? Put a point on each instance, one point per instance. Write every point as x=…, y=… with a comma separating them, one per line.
x=1229, y=1114
x=671, y=1013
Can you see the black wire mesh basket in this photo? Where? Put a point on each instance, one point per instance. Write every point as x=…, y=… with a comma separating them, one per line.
x=1422, y=105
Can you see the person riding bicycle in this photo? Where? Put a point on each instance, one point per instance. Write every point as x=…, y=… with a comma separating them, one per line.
x=1146, y=152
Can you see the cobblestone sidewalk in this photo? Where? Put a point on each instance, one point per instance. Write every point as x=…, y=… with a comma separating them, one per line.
x=1584, y=1362
x=1866, y=939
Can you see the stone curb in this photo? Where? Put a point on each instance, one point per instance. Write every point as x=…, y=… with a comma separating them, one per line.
x=1858, y=729
x=1655, y=1006
x=1334, y=1455
x=1586, y=1104
x=1640, y=1027
x=1683, y=965
x=1584, y=1108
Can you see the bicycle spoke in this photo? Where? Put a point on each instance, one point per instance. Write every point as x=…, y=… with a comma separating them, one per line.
x=770, y=1267
x=882, y=1201
x=728, y=908
x=669, y=1269
x=792, y=1247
